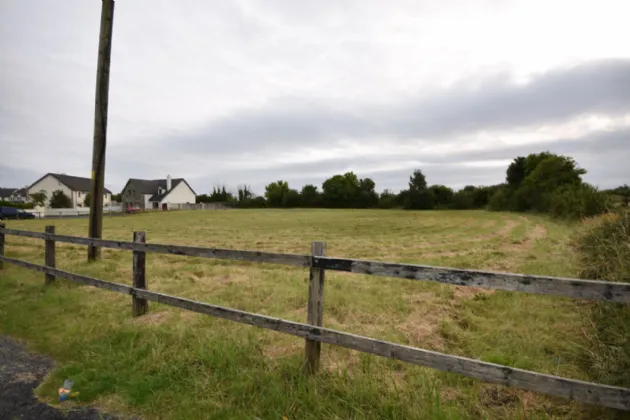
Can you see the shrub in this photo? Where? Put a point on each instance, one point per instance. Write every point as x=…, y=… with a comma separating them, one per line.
x=578, y=202
x=291, y=199
x=499, y=201
x=16, y=205
x=463, y=200
x=419, y=200
x=387, y=200
x=60, y=200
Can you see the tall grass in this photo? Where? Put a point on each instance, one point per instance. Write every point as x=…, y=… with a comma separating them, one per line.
x=604, y=248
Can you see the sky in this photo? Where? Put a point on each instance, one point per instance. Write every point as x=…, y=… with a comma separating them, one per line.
x=253, y=91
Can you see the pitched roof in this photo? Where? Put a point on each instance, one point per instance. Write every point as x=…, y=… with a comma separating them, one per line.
x=162, y=184
x=158, y=197
x=75, y=183
x=6, y=192
x=150, y=186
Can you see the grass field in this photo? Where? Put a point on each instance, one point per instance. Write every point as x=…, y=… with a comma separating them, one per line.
x=173, y=364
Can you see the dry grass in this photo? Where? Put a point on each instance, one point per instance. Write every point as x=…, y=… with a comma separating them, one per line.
x=174, y=364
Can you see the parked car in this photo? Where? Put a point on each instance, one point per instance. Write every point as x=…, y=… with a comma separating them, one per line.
x=132, y=209
x=14, y=213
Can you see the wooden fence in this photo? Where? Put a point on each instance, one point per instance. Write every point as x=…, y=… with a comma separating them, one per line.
x=315, y=334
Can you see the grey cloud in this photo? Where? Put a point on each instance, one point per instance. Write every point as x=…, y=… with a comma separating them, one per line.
x=601, y=87
x=598, y=87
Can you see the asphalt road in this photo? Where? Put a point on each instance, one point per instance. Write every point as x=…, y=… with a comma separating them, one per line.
x=20, y=373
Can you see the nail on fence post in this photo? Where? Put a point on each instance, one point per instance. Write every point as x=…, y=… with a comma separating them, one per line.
x=139, y=306
x=2, y=225
x=315, y=315
x=50, y=254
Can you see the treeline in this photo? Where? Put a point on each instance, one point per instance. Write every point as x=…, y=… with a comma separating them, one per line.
x=540, y=182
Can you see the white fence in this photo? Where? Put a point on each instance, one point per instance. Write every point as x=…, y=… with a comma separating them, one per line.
x=199, y=206
x=43, y=212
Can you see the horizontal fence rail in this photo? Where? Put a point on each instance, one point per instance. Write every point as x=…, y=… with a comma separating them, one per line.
x=190, y=251
x=558, y=286
x=546, y=285
x=608, y=396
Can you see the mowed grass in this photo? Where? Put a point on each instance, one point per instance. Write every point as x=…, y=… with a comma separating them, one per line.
x=173, y=364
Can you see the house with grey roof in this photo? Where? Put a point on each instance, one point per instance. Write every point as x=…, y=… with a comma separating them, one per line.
x=75, y=187
x=14, y=195
x=157, y=193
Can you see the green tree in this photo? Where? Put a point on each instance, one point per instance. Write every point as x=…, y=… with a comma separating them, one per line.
x=59, y=200
x=116, y=198
x=39, y=198
x=275, y=193
x=341, y=190
x=578, y=201
x=417, y=181
x=367, y=195
x=419, y=197
x=87, y=201
x=245, y=195
x=220, y=195
x=443, y=195
x=291, y=199
x=499, y=201
x=482, y=195
x=516, y=172
x=401, y=197
x=387, y=199
x=464, y=199
x=550, y=173
x=225, y=195
x=420, y=200
x=309, y=196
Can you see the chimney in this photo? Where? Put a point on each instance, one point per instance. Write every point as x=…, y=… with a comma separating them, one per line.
x=168, y=183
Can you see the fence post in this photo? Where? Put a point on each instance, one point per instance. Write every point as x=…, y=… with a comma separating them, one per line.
x=139, y=306
x=315, y=314
x=2, y=226
x=50, y=254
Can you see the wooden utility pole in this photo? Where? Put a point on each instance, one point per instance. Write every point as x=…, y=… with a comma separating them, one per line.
x=100, y=126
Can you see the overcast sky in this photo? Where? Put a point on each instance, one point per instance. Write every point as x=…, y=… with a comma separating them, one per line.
x=248, y=92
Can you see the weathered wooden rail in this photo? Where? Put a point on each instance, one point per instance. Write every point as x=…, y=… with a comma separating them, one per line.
x=313, y=331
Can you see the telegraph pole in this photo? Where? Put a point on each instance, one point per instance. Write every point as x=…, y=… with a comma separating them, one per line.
x=100, y=126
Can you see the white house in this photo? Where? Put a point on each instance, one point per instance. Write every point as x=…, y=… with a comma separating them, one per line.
x=76, y=188
x=157, y=193
x=14, y=195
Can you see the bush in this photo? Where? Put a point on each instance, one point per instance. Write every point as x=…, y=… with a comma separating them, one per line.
x=291, y=199
x=578, y=202
x=499, y=201
x=252, y=203
x=16, y=205
x=463, y=200
x=419, y=200
x=604, y=250
x=59, y=200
